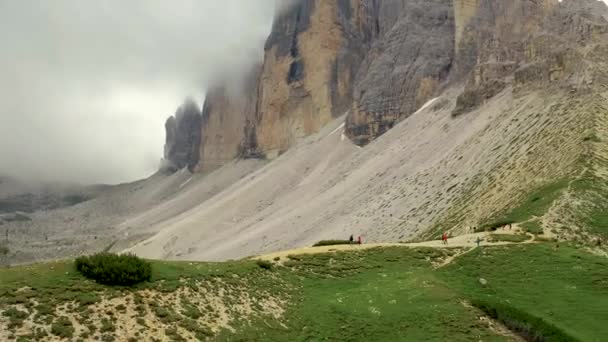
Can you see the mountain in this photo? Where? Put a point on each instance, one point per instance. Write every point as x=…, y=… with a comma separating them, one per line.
x=392, y=119
x=519, y=91
x=379, y=61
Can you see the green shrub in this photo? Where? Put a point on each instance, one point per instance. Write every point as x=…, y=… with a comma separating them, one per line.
x=331, y=243
x=531, y=328
x=507, y=238
x=113, y=269
x=533, y=227
x=494, y=225
x=545, y=239
x=267, y=265
x=62, y=327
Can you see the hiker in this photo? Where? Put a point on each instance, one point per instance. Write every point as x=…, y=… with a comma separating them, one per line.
x=359, y=239
x=478, y=241
x=444, y=237
x=351, y=239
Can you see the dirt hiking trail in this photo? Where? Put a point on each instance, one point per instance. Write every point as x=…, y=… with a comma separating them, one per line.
x=467, y=241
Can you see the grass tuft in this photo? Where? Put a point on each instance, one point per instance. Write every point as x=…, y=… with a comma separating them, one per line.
x=62, y=327
x=508, y=238
x=332, y=243
x=264, y=264
x=531, y=328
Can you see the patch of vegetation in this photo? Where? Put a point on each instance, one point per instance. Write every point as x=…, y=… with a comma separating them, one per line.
x=62, y=327
x=15, y=313
x=202, y=333
x=108, y=338
x=380, y=294
x=377, y=294
x=592, y=138
x=535, y=204
x=592, y=215
x=332, y=243
x=264, y=264
x=529, y=327
x=15, y=317
x=107, y=326
x=86, y=299
x=173, y=334
x=566, y=288
x=508, y=238
x=165, y=315
x=533, y=227
x=191, y=311
x=113, y=269
x=493, y=225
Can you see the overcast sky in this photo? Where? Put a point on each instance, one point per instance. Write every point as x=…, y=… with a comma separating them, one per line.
x=85, y=86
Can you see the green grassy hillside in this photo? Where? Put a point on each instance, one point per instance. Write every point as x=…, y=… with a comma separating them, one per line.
x=381, y=294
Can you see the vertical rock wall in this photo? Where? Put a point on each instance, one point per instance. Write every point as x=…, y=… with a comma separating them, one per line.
x=405, y=68
x=228, y=114
x=381, y=60
x=183, y=137
x=311, y=58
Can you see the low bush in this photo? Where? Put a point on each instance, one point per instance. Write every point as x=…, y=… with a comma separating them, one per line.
x=113, y=269
x=493, y=226
x=267, y=265
x=533, y=227
x=332, y=243
x=508, y=238
x=545, y=239
x=62, y=327
x=529, y=327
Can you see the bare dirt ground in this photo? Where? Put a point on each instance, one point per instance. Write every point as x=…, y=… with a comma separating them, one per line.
x=141, y=315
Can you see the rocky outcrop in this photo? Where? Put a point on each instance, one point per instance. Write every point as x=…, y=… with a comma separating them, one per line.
x=527, y=43
x=311, y=59
x=380, y=61
x=183, y=136
x=228, y=123
x=410, y=60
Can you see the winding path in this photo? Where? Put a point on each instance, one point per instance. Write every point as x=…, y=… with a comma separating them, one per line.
x=467, y=241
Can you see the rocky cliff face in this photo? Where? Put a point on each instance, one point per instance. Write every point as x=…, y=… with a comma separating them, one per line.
x=311, y=60
x=525, y=43
x=380, y=61
x=183, y=137
x=228, y=123
x=409, y=61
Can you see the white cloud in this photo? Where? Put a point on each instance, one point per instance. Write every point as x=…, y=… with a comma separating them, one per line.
x=86, y=85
